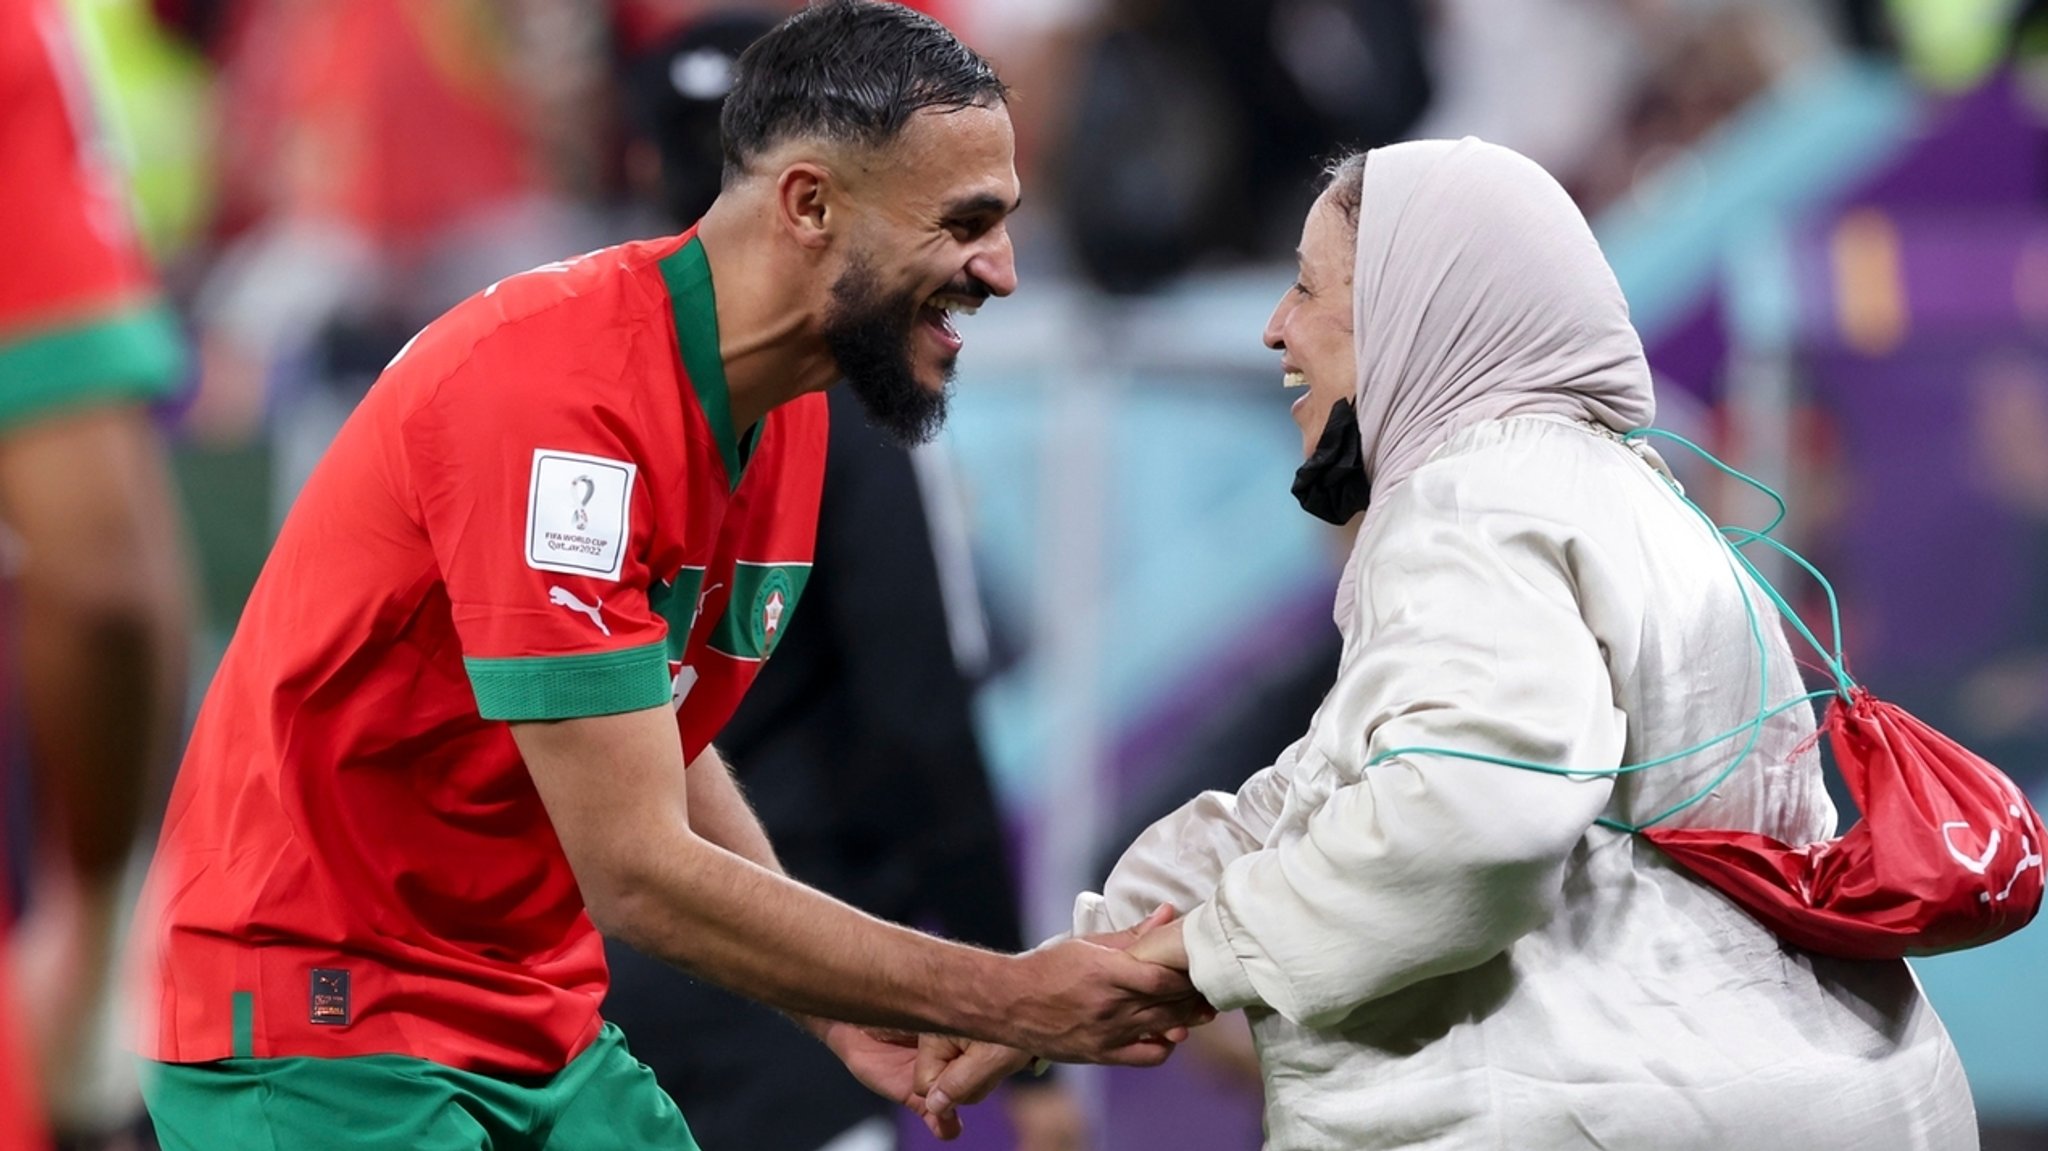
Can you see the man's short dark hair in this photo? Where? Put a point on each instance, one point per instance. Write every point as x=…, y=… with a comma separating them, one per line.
x=849, y=71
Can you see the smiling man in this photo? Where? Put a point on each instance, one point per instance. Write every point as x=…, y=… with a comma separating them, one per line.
x=527, y=586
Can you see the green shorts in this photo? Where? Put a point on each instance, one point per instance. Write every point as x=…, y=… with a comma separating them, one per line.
x=604, y=1100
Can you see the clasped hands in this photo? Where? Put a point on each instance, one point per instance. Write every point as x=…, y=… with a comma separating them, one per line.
x=1113, y=1012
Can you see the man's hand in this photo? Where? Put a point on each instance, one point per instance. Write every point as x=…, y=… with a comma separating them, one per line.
x=1081, y=1002
x=885, y=1062
x=953, y=1071
x=1135, y=1021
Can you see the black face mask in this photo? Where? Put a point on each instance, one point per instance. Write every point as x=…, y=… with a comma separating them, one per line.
x=1331, y=485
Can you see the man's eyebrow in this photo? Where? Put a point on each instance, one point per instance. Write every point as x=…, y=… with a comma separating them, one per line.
x=982, y=204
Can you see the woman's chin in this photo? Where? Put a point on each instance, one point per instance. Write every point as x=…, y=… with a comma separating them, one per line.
x=1311, y=425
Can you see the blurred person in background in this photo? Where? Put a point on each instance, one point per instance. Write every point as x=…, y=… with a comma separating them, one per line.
x=98, y=573
x=1702, y=67
x=1604, y=93
x=855, y=745
x=1191, y=123
x=1440, y=951
x=531, y=581
x=375, y=160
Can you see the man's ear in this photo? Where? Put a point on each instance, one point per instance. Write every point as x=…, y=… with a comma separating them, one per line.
x=808, y=202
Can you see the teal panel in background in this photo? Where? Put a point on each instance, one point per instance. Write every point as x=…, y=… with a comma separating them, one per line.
x=1995, y=1002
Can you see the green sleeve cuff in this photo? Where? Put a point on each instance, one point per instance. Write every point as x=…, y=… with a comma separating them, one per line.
x=135, y=354
x=570, y=686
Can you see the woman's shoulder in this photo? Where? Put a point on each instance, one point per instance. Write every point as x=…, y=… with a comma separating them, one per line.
x=1541, y=467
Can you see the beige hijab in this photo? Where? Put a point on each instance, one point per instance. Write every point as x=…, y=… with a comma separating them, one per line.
x=1479, y=293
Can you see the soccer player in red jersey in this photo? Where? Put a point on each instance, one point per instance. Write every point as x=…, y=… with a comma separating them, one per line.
x=528, y=584
x=96, y=567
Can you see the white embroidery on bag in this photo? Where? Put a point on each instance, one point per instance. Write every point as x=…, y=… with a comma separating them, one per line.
x=1981, y=865
x=2028, y=858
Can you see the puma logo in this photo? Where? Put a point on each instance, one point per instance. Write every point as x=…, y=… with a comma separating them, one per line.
x=1982, y=863
x=1979, y=865
x=568, y=599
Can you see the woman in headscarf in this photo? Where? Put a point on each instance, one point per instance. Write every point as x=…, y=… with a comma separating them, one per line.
x=1440, y=952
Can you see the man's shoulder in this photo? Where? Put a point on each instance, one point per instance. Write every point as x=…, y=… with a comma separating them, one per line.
x=572, y=290
x=562, y=334
x=584, y=309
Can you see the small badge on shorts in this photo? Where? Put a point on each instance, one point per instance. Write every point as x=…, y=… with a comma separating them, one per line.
x=328, y=1002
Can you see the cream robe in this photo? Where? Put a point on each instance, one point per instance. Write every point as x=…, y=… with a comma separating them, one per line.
x=1438, y=953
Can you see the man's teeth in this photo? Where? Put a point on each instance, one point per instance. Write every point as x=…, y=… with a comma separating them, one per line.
x=1293, y=380
x=952, y=304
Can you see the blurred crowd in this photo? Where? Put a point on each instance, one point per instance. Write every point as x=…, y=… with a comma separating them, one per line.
x=321, y=177
x=316, y=179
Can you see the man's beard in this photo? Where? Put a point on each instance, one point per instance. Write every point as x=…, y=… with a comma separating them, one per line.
x=869, y=334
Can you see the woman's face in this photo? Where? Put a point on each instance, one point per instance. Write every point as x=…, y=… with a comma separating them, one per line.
x=1311, y=328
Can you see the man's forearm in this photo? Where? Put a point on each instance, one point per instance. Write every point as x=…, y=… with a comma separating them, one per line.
x=649, y=877
x=667, y=879
x=719, y=812
x=731, y=920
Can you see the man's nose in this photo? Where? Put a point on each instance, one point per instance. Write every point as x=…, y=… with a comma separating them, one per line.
x=996, y=264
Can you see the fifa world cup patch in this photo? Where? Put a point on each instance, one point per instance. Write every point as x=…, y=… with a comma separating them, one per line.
x=327, y=1001
x=578, y=513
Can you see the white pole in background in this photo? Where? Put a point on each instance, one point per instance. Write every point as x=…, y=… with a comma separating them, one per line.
x=1763, y=320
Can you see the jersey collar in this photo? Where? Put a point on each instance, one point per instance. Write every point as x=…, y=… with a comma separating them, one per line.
x=687, y=273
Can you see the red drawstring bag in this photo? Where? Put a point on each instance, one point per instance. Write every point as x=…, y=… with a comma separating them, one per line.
x=1948, y=854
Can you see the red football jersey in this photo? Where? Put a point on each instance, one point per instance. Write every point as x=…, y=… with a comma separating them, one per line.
x=63, y=215
x=539, y=511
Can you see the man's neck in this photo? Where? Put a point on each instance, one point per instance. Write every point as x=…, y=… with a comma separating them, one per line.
x=770, y=327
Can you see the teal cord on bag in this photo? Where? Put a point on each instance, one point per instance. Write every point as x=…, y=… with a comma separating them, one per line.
x=1743, y=537
x=1736, y=538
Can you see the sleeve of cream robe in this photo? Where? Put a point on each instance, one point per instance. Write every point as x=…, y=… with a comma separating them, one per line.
x=1426, y=865
x=1178, y=859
